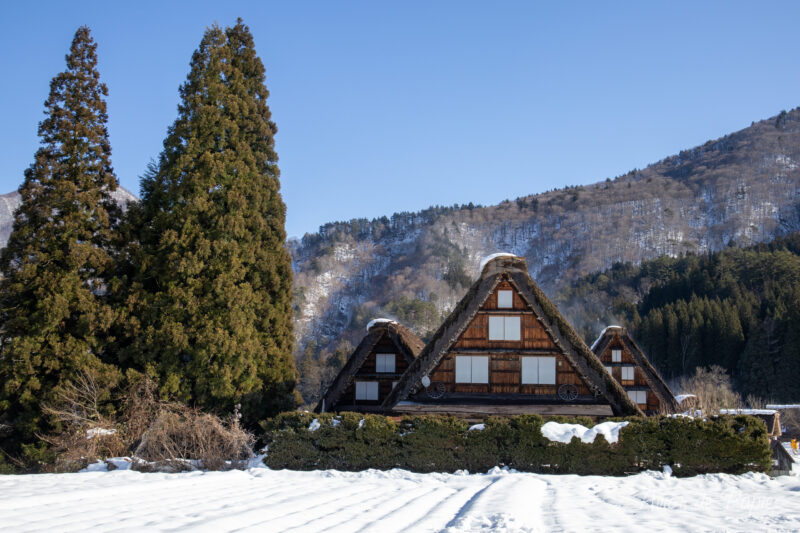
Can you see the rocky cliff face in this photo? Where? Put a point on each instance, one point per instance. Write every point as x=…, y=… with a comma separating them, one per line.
x=742, y=188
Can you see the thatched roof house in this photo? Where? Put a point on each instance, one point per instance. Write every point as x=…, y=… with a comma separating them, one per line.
x=505, y=349
x=626, y=362
x=374, y=367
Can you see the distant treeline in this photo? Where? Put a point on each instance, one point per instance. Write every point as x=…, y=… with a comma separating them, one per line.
x=738, y=308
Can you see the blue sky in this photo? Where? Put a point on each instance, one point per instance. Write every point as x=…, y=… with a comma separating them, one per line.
x=385, y=107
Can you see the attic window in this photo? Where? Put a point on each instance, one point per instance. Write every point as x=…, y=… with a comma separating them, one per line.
x=505, y=299
x=627, y=373
x=504, y=328
x=610, y=370
x=616, y=356
x=366, y=390
x=539, y=370
x=638, y=396
x=384, y=362
x=472, y=369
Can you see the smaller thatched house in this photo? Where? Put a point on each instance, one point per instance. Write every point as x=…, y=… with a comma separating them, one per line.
x=373, y=369
x=506, y=350
x=626, y=362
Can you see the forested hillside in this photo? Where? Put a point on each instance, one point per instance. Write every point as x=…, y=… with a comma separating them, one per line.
x=741, y=189
x=737, y=308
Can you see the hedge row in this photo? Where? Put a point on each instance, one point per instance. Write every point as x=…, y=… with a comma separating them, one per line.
x=354, y=441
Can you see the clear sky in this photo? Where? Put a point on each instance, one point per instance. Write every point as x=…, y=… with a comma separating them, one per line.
x=396, y=106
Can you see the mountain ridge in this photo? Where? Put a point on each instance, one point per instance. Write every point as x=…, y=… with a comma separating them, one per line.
x=741, y=188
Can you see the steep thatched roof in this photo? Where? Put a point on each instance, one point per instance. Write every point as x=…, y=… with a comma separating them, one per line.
x=653, y=378
x=408, y=346
x=514, y=270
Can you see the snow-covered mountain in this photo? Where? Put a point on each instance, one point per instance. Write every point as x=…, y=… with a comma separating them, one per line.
x=742, y=188
x=9, y=203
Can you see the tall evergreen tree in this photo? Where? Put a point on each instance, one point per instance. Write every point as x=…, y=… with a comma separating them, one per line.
x=211, y=303
x=55, y=267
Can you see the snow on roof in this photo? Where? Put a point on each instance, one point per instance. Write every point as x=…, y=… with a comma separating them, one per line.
x=783, y=406
x=680, y=397
x=379, y=321
x=747, y=411
x=594, y=344
x=492, y=257
x=558, y=432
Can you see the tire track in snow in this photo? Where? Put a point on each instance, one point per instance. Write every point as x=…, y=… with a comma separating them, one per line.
x=348, y=515
x=412, y=515
x=260, y=513
x=508, y=504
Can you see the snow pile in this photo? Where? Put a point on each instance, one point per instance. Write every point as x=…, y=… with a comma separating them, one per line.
x=558, y=432
x=379, y=321
x=314, y=425
x=115, y=463
x=395, y=500
x=783, y=406
x=485, y=260
x=747, y=411
x=94, y=432
x=597, y=340
x=477, y=427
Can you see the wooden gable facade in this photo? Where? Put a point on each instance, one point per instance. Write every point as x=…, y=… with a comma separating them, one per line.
x=506, y=350
x=628, y=365
x=373, y=369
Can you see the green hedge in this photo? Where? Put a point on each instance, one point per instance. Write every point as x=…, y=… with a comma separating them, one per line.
x=355, y=441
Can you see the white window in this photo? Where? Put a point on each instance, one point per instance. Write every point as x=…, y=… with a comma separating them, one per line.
x=539, y=370
x=472, y=369
x=609, y=370
x=638, y=396
x=504, y=328
x=627, y=373
x=384, y=362
x=394, y=384
x=366, y=390
x=505, y=299
x=616, y=356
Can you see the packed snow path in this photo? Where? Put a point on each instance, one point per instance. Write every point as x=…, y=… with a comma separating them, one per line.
x=265, y=500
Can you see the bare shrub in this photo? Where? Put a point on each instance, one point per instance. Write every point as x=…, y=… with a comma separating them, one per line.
x=713, y=389
x=790, y=419
x=86, y=434
x=182, y=438
x=159, y=435
x=139, y=408
x=755, y=402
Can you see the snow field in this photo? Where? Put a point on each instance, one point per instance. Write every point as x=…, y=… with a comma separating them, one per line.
x=261, y=499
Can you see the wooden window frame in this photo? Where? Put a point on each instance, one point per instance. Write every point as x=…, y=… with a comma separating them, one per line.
x=367, y=385
x=475, y=361
x=524, y=361
x=626, y=369
x=505, y=321
x=634, y=396
x=381, y=368
x=510, y=298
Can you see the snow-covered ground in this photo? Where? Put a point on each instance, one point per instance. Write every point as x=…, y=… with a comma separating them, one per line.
x=260, y=499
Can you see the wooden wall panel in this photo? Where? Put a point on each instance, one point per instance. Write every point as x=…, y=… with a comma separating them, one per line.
x=385, y=345
x=505, y=376
x=653, y=405
x=518, y=303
